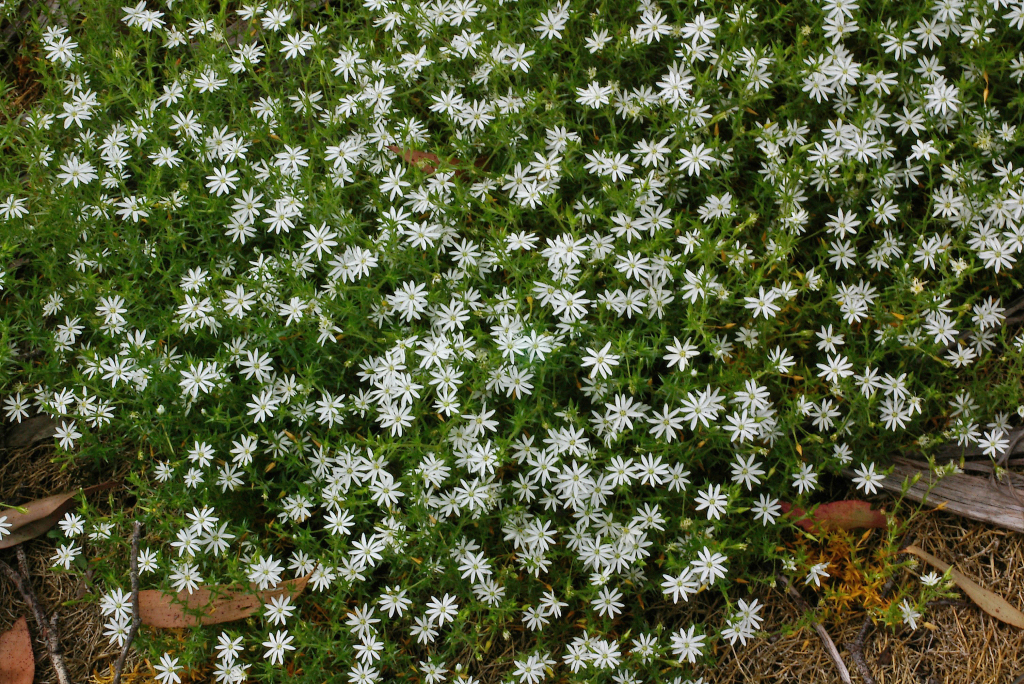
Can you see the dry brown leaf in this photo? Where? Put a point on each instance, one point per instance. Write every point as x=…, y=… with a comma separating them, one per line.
x=991, y=603
x=216, y=604
x=17, y=664
x=838, y=515
x=28, y=432
x=425, y=161
x=40, y=515
x=428, y=162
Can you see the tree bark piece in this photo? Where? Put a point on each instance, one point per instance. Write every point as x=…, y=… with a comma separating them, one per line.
x=971, y=496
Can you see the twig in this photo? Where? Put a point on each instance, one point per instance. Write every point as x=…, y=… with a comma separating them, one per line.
x=22, y=562
x=826, y=640
x=119, y=667
x=47, y=631
x=856, y=649
x=952, y=603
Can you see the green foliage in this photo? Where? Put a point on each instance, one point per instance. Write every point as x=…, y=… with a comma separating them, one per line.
x=529, y=314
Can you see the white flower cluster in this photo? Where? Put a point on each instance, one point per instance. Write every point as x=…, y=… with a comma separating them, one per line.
x=451, y=330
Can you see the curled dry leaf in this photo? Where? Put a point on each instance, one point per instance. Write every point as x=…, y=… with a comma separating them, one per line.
x=17, y=664
x=210, y=605
x=40, y=515
x=838, y=515
x=991, y=603
x=28, y=432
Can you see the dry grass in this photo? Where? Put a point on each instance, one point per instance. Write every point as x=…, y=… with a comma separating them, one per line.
x=964, y=645
x=29, y=474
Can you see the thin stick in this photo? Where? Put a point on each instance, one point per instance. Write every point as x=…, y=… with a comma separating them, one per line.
x=858, y=645
x=119, y=667
x=47, y=631
x=856, y=649
x=22, y=562
x=826, y=640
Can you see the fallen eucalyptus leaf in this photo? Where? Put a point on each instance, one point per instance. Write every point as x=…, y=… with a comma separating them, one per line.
x=36, y=517
x=216, y=604
x=17, y=664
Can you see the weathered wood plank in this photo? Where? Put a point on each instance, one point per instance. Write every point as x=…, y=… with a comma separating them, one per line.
x=973, y=496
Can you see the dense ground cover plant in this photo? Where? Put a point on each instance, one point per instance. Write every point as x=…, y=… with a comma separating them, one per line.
x=504, y=319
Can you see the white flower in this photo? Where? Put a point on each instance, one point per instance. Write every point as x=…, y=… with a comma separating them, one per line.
x=410, y=300
x=276, y=18
x=994, y=443
x=763, y=304
x=222, y=181
x=475, y=566
x=680, y=354
x=594, y=95
x=680, y=586
x=910, y=614
x=816, y=573
x=806, y=480
x=265, y=572
x=942, y=97
x=16, y=407
x=277, y=644
x=601, y=361
x=713, y=500
x=116, y=602
x=867, y=479
x=696, y=159
x=228, y=648
x=747, y=472
x=766, y=509
x=167, y=670
x=607, y=603
x=186, y=577
x=117, y=629
x=292, y=158
x=279, y=609
x=148, y=561
x=297, y=44
x=75, y=171
x=262, y=406
x=711, y=565
x=687, y=645
x=166, y=157
x=443, y=610
x=838, y=366
x=66, y=555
